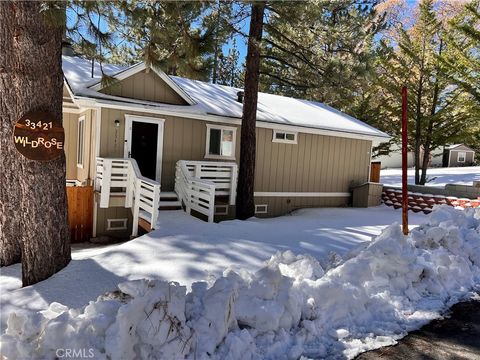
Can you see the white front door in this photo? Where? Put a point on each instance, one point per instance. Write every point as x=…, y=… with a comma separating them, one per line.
x=144, y=143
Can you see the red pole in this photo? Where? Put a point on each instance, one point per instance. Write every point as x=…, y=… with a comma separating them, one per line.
x=404, y=162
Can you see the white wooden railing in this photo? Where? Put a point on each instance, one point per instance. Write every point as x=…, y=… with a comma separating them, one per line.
x=198, y=182
x=118, y=176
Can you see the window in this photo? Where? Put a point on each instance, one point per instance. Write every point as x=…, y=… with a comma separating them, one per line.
x=461, y=156
x=284, y=137
x=261, y=209
x=220, y=142
x=81, y=141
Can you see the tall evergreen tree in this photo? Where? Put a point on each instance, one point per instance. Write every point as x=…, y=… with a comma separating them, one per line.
x=245, y=207
x=439, y=113
x=33, y=204
x=461, y=61
x=182, y=38
x=321, y=51
x=229, y=71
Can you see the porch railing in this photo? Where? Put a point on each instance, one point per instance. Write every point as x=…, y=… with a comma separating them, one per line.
x=198, y=182
x=117, y=176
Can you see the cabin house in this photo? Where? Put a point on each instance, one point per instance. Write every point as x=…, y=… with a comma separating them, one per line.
x=458, y=155
x=149, y=140
x=394, y=159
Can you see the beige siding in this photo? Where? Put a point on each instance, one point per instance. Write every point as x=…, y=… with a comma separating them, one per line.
x=184, y=139
x=145, y=86
x=113, y=213
x=70, y=122
x=469, y=157
x=283, y=205
x=84, y=172
x=316, y=164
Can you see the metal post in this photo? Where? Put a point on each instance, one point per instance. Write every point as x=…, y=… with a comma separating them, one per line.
x=404, y=162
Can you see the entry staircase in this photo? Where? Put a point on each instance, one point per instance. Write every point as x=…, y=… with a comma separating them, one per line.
x=199, y=183
x=198, y=186
x=119, y=182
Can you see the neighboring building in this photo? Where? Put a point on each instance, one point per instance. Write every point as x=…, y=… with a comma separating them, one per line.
x=185, y=137
x=458, y=155
x=394, y=159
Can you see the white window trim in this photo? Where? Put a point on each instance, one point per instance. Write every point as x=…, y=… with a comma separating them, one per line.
x=284, y=141
x=207, y=142
x=221, y=209
x=259, y=207
x=123, y=224
x=81, y=145
x=464, y=156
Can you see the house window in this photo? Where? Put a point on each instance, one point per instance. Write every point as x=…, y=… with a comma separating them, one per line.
x=220, y=142
x=81, y=141
x=284, y=137
x=461, y=156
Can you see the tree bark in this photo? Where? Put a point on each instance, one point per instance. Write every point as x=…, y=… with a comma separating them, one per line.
x=433, y=111
x=33, y=219
x=246, y=177
x=418, y=117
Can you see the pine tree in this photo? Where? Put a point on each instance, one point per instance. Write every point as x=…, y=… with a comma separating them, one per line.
x=439, y=113
x=33, y=204
x=88, y=32
x=182, y=38
x=321, y=51
x=229, y=70
x=245, y=207
x=461, y=62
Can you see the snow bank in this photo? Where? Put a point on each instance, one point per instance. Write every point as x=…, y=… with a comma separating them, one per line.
x=288, y=309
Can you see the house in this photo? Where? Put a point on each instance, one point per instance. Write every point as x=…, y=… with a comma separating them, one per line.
x=394, y=159
x=149, y=139
x=458, y=155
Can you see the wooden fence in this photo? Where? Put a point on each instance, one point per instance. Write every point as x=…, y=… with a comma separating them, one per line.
x=80, y=212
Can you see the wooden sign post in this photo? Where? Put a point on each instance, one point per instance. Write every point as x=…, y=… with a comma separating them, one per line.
x=38, y=137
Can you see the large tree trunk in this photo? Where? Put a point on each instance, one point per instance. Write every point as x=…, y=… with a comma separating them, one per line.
x=246, y=177
x=33, y=197
x=433, y=111
x=418, y=115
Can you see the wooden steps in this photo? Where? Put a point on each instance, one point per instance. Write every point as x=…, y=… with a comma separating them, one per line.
x=169, y=201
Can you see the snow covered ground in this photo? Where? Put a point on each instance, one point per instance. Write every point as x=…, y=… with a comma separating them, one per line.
x=438, y=177
x=293, y=306
x=186, y=249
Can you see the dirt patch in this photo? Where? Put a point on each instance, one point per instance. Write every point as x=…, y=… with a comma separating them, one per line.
x=455, y=337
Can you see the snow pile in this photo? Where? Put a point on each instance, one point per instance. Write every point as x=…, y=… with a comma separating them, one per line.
x=287, y=309
x=144, y=317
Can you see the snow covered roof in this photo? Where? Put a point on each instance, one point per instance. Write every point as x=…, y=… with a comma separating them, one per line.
x=454, y=146
x=219, y=100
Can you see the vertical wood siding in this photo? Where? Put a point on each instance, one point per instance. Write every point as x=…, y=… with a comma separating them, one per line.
x=114, y=213
x=145, y=86
x=316, y=164
x=183, y=139
x=70, y=124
